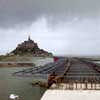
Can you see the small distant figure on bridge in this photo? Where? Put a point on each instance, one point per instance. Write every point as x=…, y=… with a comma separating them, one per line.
x=55, y=59
x=51, y=79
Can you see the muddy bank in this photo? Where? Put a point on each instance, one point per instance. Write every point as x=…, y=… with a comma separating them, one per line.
x=40, y=83
x=16, y=64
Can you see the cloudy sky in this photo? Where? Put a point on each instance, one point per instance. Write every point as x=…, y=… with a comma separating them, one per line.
x=63, y=27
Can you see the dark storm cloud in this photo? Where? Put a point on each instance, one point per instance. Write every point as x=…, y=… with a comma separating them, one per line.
x=15, y=12
x=69, y=26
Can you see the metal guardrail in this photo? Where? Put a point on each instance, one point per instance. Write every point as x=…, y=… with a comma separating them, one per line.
x=76, y=86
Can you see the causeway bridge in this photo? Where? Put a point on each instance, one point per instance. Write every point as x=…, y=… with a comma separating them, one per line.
x=71, y=73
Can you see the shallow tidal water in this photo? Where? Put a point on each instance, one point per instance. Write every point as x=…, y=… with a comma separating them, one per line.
x=18, y=85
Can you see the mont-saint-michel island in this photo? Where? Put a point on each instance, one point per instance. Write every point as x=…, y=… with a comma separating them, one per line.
x=23, y=54
x=30, y=48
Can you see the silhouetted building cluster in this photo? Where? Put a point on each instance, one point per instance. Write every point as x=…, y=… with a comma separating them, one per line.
x=29, y=47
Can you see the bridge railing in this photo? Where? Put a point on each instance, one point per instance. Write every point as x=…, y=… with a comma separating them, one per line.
x=76, y=86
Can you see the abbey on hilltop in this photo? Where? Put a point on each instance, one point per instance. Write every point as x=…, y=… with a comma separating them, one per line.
x=29, y=47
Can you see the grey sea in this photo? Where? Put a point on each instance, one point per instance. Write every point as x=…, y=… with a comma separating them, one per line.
x=18, y=85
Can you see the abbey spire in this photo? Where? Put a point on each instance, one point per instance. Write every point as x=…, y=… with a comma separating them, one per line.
x=29, y=38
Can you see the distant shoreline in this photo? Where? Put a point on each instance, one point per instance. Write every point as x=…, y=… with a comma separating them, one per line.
x=23, y=61
x=15, y=64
